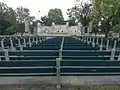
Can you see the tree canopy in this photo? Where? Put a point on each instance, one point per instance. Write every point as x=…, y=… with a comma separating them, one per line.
x=106, y=12
x=12, y=21
x=54, y=15
x=80, y=12
x=7, y=18
x=105, y=15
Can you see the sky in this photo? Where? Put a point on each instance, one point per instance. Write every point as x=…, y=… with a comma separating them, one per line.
x=41, y=5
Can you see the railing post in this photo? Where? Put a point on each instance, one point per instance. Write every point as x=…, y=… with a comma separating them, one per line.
x=112, y=54
x=58, y=72
x=19, y=43
x=113, y=51
x=12, y=47
x=78, y=38
x=24, y=42
x=119, y=57
x=33, y=40
x=2, y=44
x=101, y=45
x=60, y=54
x=30, y=44
x=93, y=42
x=36, y=40
x=84, y=39
x=40, y=39
x=6, y=55
x=44, y=39
x=90, y=39
x=107, y=45
x=58, y=64
x=81, y=38
x=61, y=47
x=87, y=40
x=97, y=41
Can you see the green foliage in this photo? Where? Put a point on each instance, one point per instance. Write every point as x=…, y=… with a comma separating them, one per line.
x=108, y=11
x=12, y=21
x=11, y=17
x=105, y=8
x=7, y=18
x=22, y=14
x=3, y=26
x=3, y=11
x=116, y=29
x=72, y=22
x=11, y=30
x=20, y=27
x=46, y=21
x=81, y=11
x=54, y=15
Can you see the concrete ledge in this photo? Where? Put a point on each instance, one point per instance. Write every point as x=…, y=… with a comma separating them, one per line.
x=65, y=80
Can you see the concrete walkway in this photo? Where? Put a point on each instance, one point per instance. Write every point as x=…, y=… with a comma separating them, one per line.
x=65, y=80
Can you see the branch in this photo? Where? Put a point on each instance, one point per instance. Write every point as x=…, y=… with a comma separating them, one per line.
x=101, y=14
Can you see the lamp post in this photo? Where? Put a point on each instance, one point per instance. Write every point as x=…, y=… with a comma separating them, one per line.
x=38, y=15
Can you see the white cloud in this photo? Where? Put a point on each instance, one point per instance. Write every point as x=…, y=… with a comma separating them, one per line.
x=41, y=5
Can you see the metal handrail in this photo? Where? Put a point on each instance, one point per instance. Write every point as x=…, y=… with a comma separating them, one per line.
x=93, y=73
x=90, y=67
x=32, y=67
x=27, y=74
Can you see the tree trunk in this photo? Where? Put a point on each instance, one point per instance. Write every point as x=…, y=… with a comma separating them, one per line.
x=95, y=34
x=106, y=33
x=119, y=34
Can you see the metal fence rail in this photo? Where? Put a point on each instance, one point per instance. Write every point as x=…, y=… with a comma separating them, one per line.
x=82, y=56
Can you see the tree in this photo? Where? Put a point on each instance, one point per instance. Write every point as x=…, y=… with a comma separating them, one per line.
x=46, y=21
x=72, y=21
x=116, y=28
x=106, y=11
x=11, y=17
x=54, y=15
x=81, y=11
x=3, y=26
x=3, y=11
x=23, y=14
x=7, y=18
x=12, y=21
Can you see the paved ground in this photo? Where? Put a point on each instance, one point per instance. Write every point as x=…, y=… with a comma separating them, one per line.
x=83, y=80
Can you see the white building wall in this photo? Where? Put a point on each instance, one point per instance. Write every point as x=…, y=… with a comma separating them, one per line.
x=60, y=29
